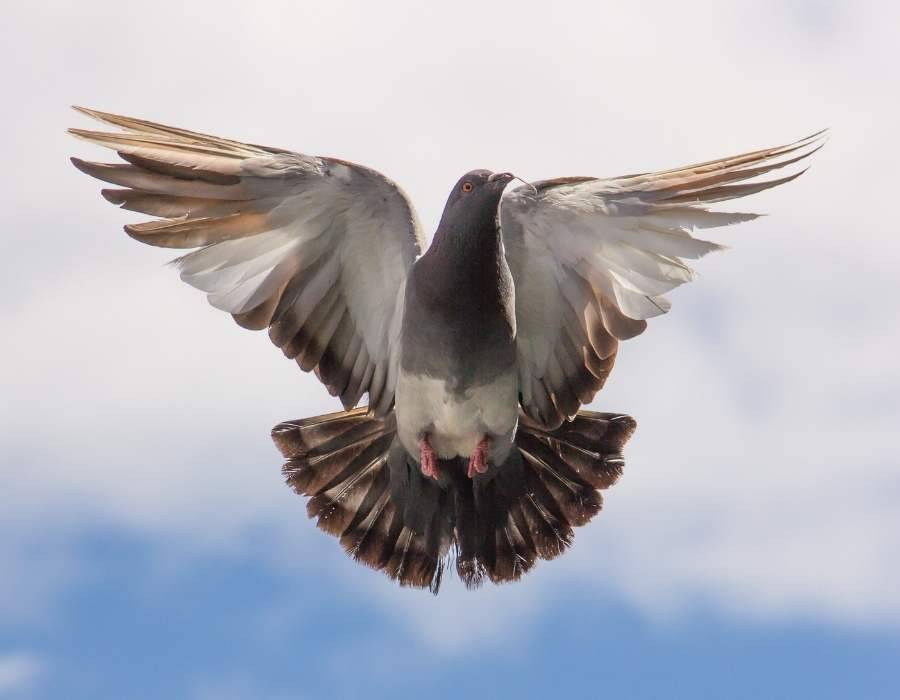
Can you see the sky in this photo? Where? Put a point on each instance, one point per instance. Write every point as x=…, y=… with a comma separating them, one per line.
x=148, y=547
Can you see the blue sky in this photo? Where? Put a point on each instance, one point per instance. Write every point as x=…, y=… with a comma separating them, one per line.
x=210, y=631
x=148, y=547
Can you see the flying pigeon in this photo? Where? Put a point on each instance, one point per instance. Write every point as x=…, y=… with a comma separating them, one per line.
x=476, y=353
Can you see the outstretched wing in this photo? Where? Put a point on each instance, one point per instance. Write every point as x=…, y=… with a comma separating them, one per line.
x=591, y=259
x=315, y=249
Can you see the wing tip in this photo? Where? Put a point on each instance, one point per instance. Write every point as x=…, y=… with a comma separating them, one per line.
x=113, y=196
x=817, y=138
x=789, y=178
x=80, y=164
x=85, y=134
x=95, y=114
x=821, y=135
x=709, y=247
x=100, y=116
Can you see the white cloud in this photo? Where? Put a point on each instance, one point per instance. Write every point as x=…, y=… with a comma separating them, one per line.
x=19, y=671
x=763, y=477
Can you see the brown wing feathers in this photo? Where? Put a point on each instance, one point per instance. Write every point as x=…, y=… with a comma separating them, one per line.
x=731, y=167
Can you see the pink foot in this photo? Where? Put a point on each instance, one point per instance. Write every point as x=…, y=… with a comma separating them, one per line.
x=478, y=462
x=427, y=459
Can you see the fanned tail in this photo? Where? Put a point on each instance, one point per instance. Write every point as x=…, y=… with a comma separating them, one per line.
x=367, y=491
x=549, y=484
x=352, y=468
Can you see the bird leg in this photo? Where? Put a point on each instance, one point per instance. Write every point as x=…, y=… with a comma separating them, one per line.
x=478, y=462
x=427, y=459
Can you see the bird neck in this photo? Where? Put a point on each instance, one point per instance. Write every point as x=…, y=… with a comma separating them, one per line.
x=467, y=249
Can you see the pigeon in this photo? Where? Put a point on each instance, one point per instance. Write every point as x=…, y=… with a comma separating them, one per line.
x=476, y=353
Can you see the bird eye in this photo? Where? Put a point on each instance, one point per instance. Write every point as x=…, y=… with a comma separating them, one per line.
x=467, y=187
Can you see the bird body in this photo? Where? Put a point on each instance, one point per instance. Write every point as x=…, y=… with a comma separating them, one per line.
x=477, y=355
x=458, y=382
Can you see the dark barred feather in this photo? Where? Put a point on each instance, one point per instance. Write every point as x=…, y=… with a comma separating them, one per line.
x=365, y=490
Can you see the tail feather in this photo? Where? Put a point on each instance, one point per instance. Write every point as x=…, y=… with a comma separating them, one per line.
x=295, y=438
x=365, y=490
x=591, y=444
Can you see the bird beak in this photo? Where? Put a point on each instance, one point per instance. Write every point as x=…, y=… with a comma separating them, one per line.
x=502, y=178
x=506, y=178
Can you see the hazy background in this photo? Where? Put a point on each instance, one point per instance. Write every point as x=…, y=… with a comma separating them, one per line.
x=148, y=547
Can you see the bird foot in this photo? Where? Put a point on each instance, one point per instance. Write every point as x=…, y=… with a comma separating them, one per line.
x=428, y=459
x=478, y=462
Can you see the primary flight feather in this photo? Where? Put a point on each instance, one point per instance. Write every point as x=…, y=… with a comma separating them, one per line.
x=476, y=354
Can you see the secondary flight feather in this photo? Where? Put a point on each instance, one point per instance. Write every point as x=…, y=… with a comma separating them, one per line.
x=476, y=355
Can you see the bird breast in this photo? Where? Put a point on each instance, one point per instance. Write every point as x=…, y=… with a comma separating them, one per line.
x=456, y=420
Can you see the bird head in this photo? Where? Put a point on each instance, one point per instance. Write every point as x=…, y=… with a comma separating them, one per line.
x=475, y=198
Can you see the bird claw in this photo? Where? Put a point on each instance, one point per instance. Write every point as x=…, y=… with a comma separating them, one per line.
x=478, y=462
x=427, y=459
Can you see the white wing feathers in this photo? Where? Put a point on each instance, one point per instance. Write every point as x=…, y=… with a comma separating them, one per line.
x=315, y=249
x=592, y=259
